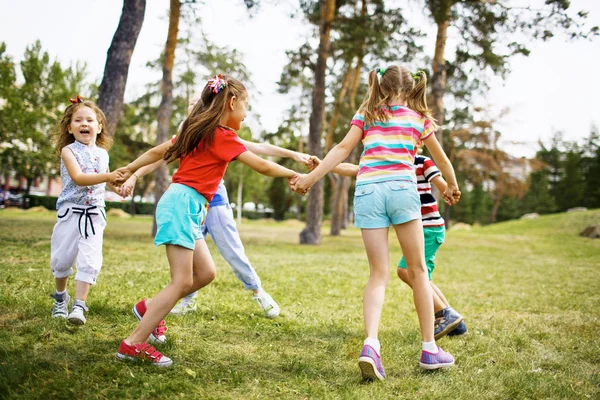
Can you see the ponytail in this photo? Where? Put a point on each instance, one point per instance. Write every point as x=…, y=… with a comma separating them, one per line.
x=416, y=99
x=200, y=126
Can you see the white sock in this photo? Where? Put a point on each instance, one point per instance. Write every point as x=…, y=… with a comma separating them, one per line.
x=61, y=293
x=431, y=347
x=374, y=343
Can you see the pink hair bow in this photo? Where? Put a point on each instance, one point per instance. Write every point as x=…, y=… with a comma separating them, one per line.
x=217, y=83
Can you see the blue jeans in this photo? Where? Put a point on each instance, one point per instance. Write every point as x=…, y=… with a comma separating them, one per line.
x=222, y=228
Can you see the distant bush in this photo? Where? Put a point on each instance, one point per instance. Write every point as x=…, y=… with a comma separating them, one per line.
x=49, y=202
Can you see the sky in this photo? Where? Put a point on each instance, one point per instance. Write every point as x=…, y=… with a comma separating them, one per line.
x=556, y=88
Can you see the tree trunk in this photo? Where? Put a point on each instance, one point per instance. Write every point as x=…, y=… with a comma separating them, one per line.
x=314, y=208
x=112, y=88
x=441, y=15
x=165, y=108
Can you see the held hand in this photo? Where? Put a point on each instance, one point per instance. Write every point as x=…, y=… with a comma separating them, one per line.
x=303, y=184
x=451, y=195
x=292, y=181
x=301, y=158
x=314, y=162
x=127, y=188
x=113, y=178
x=123, y=174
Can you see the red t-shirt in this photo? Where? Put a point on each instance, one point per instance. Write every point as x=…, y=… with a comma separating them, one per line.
x=203, y=170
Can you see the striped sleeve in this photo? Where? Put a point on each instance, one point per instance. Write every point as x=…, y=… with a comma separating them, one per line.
x=430, y=170
x=428, y=129
x=359, y=121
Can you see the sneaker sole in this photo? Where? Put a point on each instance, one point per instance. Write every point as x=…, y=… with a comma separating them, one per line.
x=159, y=364
x=63, y=316
x=435, y=366
x=448, y=329
x=369, y=370
x=273, y=315
x=77, y=321
x=153, y=339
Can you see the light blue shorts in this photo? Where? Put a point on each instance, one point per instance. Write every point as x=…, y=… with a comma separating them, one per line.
x=379, y=205
x=179, y=215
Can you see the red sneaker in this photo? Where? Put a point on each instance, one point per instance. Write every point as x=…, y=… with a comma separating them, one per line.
x=143, y=351
x=158, y=334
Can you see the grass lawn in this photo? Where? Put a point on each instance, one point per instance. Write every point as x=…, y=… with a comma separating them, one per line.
x=529, y=290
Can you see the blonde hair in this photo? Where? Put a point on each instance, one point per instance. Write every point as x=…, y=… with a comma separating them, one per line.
x=61, y=136
x=203, y=121
x=395, y=81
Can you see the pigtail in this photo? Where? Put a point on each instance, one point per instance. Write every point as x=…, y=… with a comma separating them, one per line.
x=375, y=100
x=417, y=97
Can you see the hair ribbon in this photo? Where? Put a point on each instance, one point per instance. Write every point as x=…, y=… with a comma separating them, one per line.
x=217, y=83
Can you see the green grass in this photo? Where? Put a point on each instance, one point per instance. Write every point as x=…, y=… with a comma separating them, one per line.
x=530, y=292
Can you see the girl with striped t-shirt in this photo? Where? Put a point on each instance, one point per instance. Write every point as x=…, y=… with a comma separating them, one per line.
x=390, y=122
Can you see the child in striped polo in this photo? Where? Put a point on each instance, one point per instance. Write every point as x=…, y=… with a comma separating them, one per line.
x=447, y=320
x=390, y=122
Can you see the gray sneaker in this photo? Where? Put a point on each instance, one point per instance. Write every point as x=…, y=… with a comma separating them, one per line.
x=446, y=321
x=77, y=316
x=61, y=305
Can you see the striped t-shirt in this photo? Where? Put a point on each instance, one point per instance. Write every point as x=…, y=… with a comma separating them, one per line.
x=426, y=170
x=390, y=147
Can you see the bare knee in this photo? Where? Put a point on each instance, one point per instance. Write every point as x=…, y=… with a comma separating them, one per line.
x=416, y=270
x=183, y=285
x=403, y=275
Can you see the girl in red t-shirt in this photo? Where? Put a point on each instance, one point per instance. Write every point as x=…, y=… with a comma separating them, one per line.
x=207, y=142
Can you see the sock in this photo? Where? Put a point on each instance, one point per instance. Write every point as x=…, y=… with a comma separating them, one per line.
x=61, y=293
x=374, y=343
x=430, y=347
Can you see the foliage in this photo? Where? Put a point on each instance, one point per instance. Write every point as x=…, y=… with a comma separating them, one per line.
x=31, y=109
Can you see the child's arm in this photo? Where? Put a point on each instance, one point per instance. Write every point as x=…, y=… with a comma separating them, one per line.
x=266, y=149
x=265, y=167
x=343, y=169
x=127, y=188
x=451, y=194
x=83, y=179
x=151, y=156
x=440, y=183
x=338, y=154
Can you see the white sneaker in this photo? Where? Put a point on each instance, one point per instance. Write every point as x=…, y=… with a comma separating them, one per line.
x=188, y=304
x=77, y=316
x=61, y=305
x=266, y=302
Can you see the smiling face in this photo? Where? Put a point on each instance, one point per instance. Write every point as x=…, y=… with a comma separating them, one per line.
x=238, y=112
x=84, y=126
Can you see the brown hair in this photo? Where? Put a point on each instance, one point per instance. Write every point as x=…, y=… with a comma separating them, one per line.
x=200, y=126
x=395, y=81
x=61, y=136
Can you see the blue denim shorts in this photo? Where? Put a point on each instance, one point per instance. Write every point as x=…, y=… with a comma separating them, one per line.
x=379, y=205
x=180, y=213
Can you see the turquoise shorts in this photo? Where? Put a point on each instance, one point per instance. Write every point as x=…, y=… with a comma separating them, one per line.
x=379, y=205
x=434, y=237
x=180, y=213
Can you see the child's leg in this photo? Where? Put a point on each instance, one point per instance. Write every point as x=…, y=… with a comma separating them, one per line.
x=203, y=268
x=438, y=293
x=439, y=303
x=410, y=236
x=81, y=290
x=181, y=262
x=223, y=229
x=61, y=283
x=376, y=244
